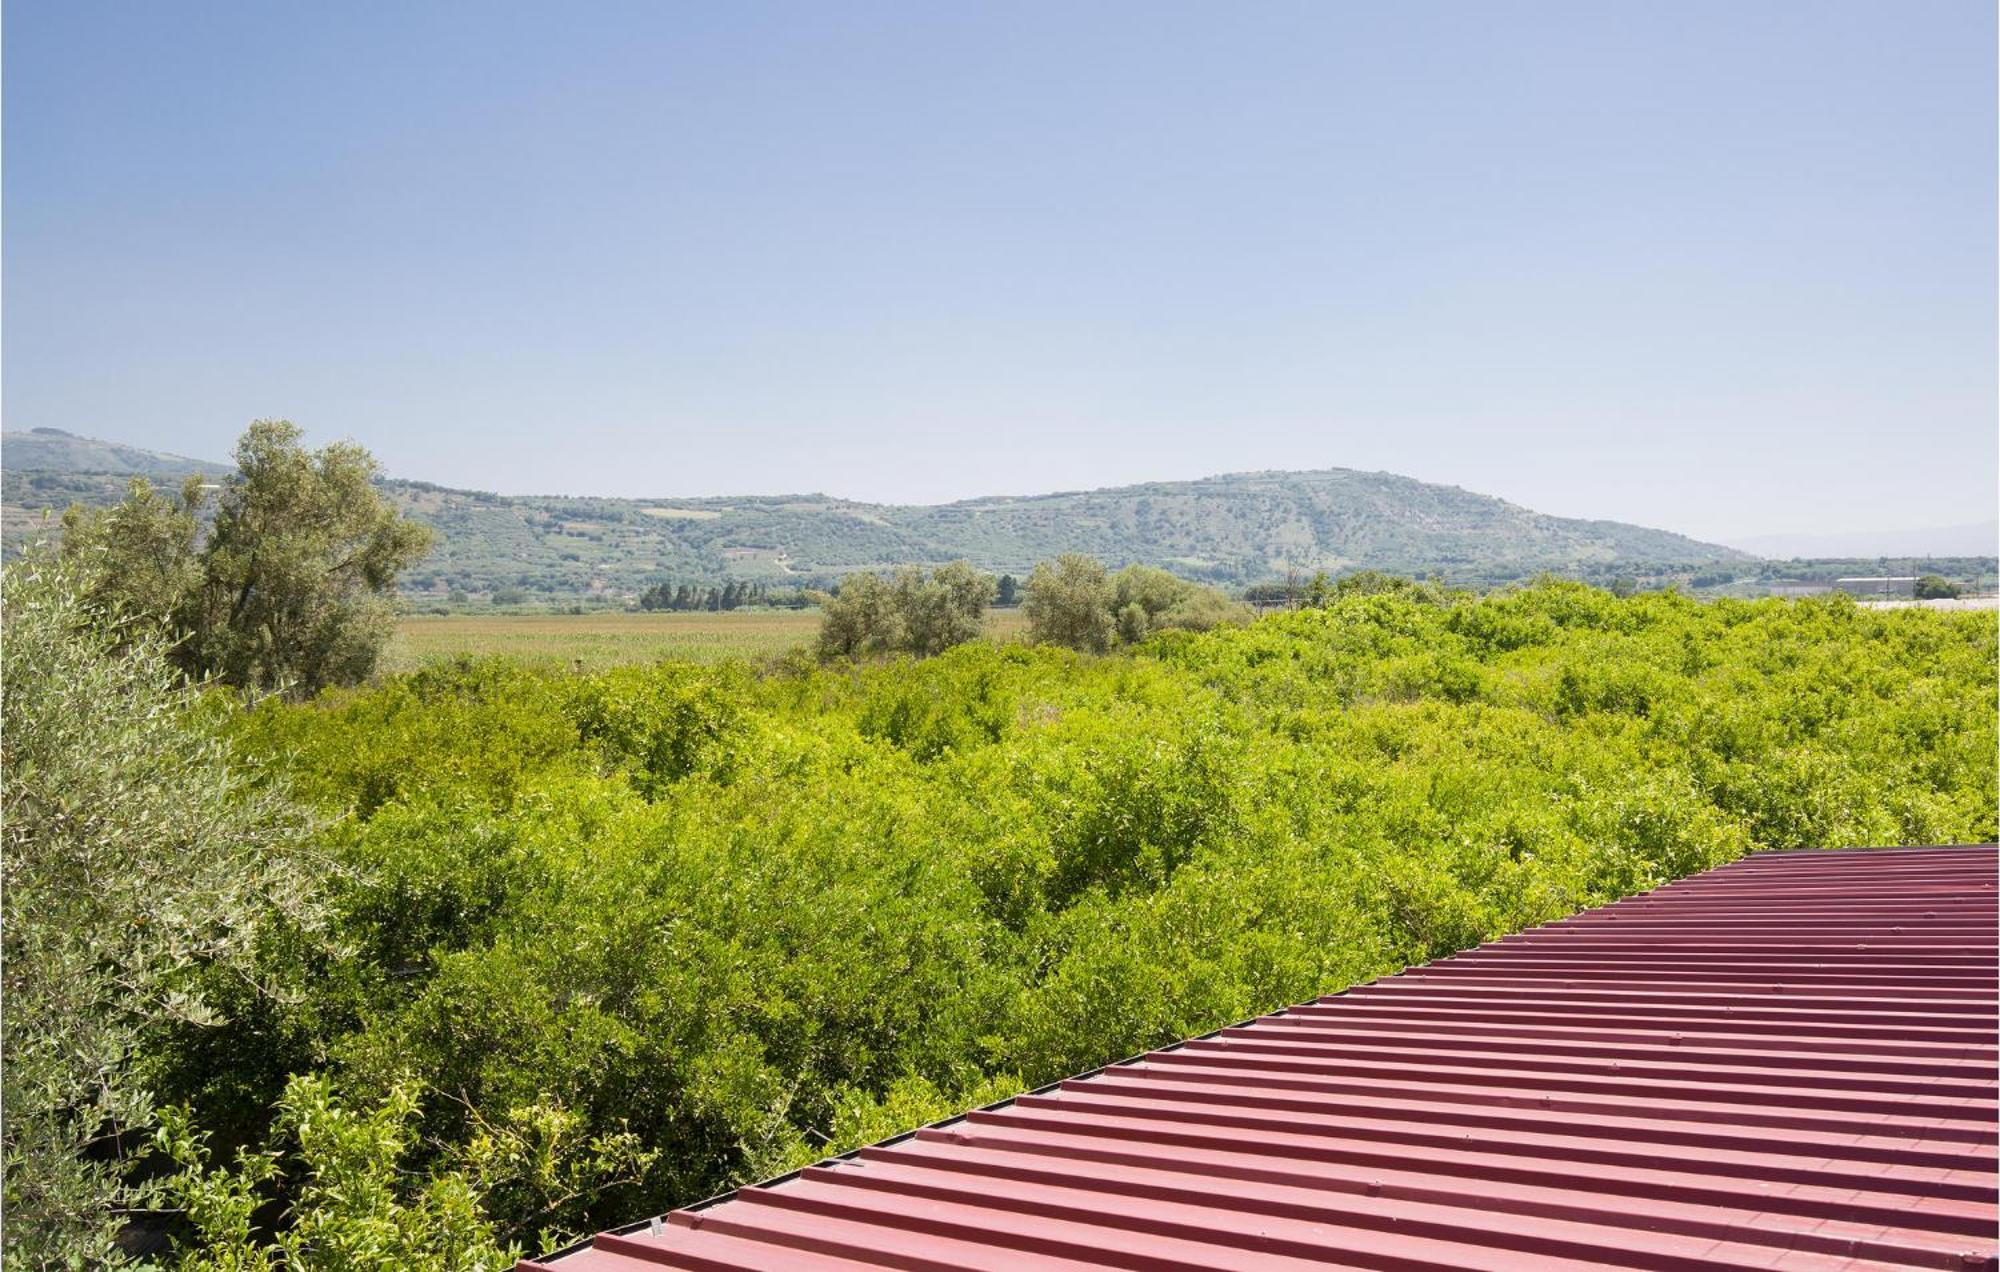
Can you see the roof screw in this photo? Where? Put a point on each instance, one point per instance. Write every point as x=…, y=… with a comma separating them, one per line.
x=1374, y=1188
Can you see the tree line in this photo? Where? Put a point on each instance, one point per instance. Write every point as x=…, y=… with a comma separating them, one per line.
x=665, y=595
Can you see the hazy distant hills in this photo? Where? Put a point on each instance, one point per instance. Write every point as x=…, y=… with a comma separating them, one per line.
x=50, y=450
x=44, y=470
x=1969, y=539
x=1229, y=529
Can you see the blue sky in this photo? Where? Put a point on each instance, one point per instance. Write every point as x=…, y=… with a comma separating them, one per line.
x=1727, y=268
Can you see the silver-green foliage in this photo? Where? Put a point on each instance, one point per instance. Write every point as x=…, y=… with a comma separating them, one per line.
x=1070, y=601
x=288, y=589
x=136, y=854
x=1075, y=602
x=912, y=611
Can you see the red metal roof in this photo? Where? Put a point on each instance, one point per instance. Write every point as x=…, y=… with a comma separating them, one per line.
x=1786, y=1062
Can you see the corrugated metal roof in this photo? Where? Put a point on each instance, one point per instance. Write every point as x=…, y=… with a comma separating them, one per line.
x=1786, y=1062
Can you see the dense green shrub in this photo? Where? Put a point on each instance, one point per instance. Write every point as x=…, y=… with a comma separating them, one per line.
x=743, y=921
x=662, y=723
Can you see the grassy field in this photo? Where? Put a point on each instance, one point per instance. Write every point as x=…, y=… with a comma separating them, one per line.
x=609, y=639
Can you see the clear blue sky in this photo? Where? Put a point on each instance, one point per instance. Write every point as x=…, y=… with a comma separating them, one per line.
x=1727, y=268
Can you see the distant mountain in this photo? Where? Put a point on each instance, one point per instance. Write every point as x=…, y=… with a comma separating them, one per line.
x=1973, y=539
x=53, y=451
x=44, y=470
x=1230, y=529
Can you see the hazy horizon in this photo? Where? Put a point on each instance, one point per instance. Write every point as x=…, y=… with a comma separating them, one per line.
x=1717, y=270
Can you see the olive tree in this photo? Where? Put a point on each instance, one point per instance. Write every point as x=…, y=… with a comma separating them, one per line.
x=138, y=558
x=1932, y=587
x=137, y=852
x=913, y=611
x=859, y=619
x=1141, y=597
x=1068, y=601
x=1073, y=601
x=289, y=588
x=945, y=608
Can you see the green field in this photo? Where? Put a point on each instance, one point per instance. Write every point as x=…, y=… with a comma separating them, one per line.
x=614, y=638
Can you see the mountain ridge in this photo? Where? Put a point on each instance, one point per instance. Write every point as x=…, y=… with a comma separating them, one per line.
x=1230, y=528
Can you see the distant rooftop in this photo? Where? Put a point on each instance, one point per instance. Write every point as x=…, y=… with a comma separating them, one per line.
x=1783, y=1063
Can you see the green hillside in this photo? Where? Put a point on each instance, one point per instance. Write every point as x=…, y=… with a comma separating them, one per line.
x=1229, y=529
x=44, y=470
x=51, y=450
